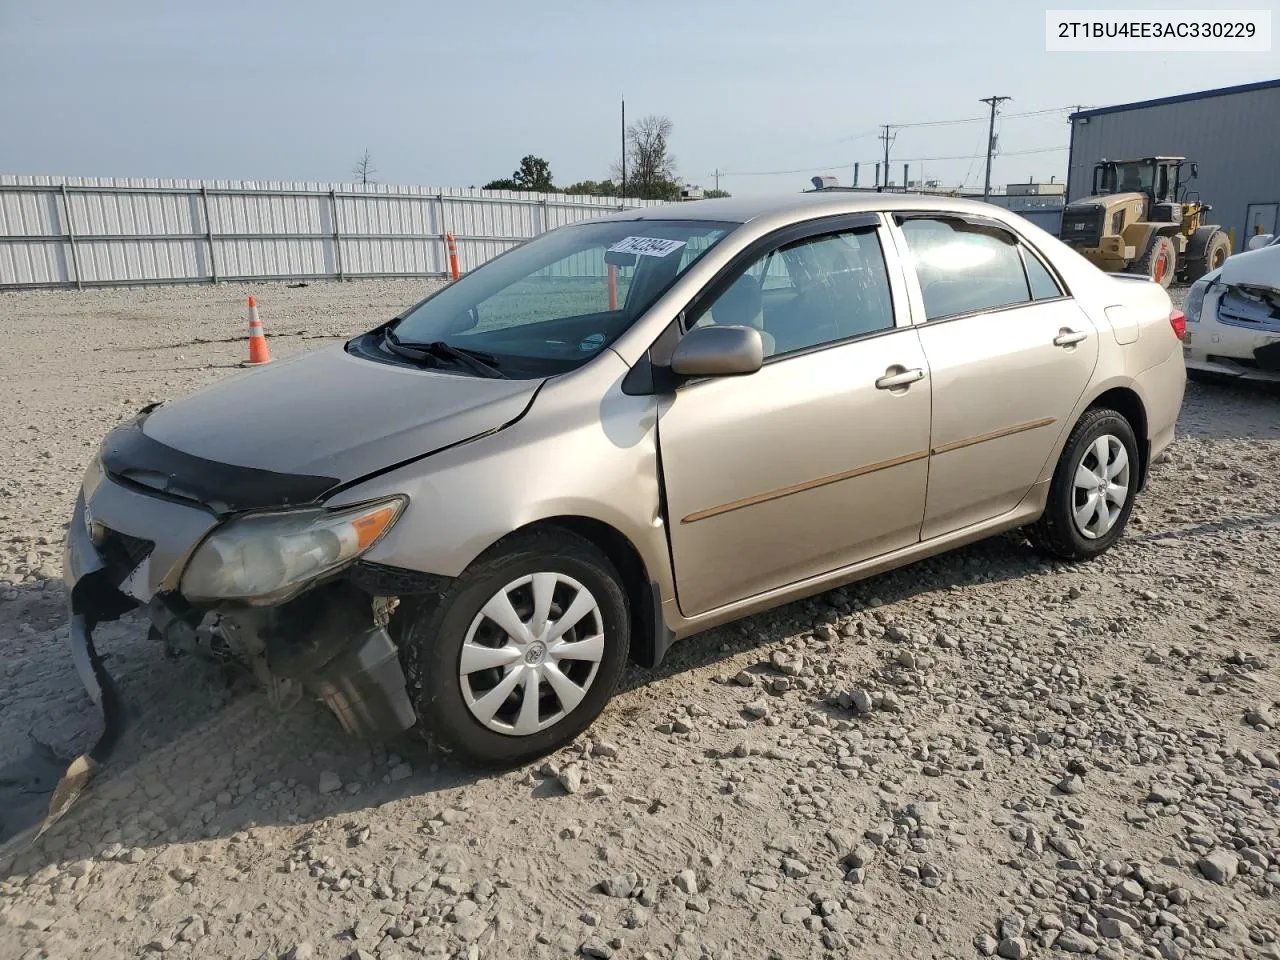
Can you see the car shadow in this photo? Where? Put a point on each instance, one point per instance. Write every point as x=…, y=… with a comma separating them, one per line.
x=206, y=754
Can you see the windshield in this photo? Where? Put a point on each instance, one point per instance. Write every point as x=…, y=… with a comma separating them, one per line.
x=553, y=303
x=1124, y=178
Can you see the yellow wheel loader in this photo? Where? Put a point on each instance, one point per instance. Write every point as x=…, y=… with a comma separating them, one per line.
x=1141, y=219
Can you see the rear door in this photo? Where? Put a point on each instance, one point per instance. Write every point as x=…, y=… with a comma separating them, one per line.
x=1010, y=354
x=818, y=460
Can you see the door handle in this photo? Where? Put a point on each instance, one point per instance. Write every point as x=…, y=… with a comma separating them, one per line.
x=897, y=376
x=1067, y=337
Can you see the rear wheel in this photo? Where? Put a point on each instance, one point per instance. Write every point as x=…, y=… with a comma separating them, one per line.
x=1091, y=495
x=1215, y=255
x=523, y=651
x=1160, y=262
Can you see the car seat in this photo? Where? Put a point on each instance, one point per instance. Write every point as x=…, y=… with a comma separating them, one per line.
x=741, y=305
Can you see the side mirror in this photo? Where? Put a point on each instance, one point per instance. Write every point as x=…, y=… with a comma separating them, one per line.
x=1195, y=170
x=718, y=351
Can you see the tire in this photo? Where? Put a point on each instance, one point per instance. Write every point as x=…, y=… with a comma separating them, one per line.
x=1058, y=531
x=1161, y=258
x=1215, y=254
x=449, y=703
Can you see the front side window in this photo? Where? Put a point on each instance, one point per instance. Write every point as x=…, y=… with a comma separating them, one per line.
x=811, y=292
x=555, y=302
x=964, y=267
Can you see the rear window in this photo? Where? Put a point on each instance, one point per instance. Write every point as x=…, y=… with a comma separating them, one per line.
x=1043, y=286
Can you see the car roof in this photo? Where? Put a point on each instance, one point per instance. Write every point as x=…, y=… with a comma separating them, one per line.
x=804, y=206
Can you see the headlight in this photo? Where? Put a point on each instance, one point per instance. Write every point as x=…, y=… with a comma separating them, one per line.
x=1195, y=300
x=268, y=557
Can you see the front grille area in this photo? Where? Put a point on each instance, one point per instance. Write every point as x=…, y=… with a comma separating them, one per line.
x=1082, y=228
x=381, y=580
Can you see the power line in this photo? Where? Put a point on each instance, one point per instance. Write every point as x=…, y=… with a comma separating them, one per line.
x=857, y=136
x=891, y=128
x=969, y=170
x=1007, y=116
x=840, y=163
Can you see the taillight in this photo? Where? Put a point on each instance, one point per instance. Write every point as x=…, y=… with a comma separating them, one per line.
x=1178, y=320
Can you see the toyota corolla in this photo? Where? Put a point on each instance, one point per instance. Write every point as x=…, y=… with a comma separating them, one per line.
x=621, y=433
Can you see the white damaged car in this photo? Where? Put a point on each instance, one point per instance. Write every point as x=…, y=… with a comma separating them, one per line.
x=1233, y=318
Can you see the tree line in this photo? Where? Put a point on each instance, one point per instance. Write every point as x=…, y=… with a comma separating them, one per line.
x=650, y=171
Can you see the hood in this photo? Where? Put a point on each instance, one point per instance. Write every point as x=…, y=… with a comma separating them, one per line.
x=331, y=414
x=1257, y=268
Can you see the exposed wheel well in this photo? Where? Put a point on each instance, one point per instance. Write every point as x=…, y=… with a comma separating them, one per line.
x=1129, y=405
x=647, y=628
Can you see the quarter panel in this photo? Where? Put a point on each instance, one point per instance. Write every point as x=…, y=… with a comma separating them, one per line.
x=1162, y=388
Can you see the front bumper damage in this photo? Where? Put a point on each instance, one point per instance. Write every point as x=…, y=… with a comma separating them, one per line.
x=126, y=550
x=1237, y=334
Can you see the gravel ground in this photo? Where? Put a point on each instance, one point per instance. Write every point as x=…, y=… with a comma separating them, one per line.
x=983, y=754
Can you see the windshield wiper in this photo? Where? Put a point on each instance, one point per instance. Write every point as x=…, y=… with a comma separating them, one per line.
x=483, y=364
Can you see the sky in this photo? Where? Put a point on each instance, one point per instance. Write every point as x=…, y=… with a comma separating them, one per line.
x=455, y=92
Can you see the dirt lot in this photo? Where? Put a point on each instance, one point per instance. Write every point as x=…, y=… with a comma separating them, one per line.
x=986, y=753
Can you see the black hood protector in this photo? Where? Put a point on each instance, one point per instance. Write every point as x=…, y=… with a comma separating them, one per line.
x=132, y=457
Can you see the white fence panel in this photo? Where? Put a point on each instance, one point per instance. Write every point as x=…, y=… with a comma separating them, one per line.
x=86, y=231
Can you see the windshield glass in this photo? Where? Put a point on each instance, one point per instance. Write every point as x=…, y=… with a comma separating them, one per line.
x=1124, y=178
x=555, y=302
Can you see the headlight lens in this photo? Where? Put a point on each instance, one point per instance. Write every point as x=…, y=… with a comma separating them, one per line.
x=1195, y=300
x=270, y=556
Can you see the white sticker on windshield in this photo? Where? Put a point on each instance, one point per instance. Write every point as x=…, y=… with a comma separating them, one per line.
x=646, y=246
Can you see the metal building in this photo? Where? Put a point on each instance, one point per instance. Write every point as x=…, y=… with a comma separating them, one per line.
x=1232, y=132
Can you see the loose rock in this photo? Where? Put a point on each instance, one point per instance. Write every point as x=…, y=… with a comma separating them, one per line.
x=1219, y=866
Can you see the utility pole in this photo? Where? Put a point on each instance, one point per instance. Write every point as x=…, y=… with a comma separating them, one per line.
x=888, y=137
x=622, y=194
x=1071, y=151
x=991, y=140
x=717, y=176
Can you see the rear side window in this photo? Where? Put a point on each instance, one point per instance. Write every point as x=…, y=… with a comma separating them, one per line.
x=964, y=268
x=1043, y=286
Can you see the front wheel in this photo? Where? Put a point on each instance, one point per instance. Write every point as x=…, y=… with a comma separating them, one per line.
x=523, y=651
x=1160, y=262
x=1093, y=487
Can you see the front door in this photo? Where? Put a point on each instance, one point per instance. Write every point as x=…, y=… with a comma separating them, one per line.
x=819, y=459
x=1010, y=354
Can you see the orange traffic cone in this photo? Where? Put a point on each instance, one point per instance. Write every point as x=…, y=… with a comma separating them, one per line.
x=258, y=352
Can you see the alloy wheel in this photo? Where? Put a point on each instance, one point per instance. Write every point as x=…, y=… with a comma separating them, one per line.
x=531, y=653
x=1101, y=487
